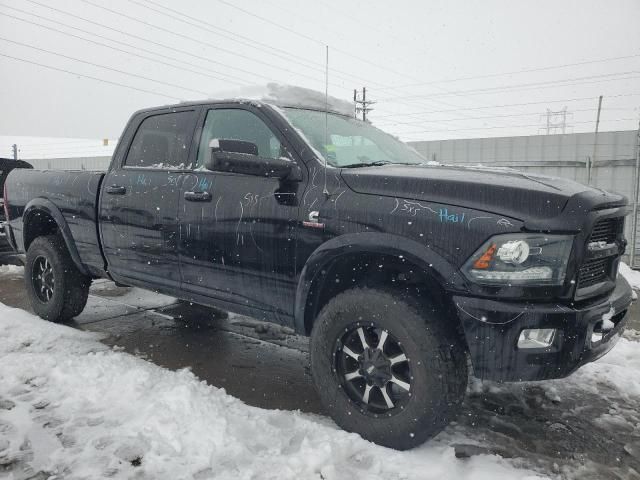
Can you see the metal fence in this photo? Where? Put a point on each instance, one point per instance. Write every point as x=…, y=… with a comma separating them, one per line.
x=615, y=168
x=71, y=163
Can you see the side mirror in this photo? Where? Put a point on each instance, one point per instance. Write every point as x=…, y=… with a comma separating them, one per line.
x=237, y=156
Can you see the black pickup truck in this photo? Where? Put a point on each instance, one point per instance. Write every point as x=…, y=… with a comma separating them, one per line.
x=399, y=270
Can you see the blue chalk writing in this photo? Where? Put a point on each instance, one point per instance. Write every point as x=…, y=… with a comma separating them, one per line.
x=446, y=217
x=204, y=184
x=142, y=180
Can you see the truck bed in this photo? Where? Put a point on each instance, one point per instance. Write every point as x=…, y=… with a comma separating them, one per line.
x=72, y=194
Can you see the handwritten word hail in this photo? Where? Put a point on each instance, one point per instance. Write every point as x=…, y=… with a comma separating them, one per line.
x=446, y=217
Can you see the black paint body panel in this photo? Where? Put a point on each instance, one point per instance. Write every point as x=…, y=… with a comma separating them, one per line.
x=256, y=245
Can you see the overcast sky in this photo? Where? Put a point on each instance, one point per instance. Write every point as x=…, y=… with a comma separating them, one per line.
x=437, y=69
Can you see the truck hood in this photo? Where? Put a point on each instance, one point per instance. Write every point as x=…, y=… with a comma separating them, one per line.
x=530, y=198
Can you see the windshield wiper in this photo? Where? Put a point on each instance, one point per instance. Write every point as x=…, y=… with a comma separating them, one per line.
x=370, y=164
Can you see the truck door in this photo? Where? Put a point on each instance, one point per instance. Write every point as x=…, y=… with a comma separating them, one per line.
x=139, y=200
x=237, y=231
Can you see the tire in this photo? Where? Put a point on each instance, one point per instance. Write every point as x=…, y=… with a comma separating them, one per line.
x=435, y=370
x=70, y=288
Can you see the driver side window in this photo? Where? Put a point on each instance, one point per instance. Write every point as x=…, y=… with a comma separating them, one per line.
x=237, y=124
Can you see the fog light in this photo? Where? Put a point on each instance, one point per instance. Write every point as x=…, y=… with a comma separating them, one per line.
x=536, y=338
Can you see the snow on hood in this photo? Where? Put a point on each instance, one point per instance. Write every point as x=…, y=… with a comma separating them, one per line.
x=290, y=96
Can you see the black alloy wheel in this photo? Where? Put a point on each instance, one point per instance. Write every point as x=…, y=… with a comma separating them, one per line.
x=43, y=278
x=373, y=369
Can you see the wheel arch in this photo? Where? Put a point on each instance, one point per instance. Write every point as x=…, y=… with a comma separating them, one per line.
x=348, y=252
x=42, y=217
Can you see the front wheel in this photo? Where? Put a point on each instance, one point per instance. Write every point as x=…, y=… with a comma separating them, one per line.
x=387, y=367
x=58, y=291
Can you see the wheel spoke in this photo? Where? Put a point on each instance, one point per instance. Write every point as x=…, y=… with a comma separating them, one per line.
x=398, y=358
x=386, y=397
x=400, y=383
x=367, y=392
x=383, y=338
x=365, y=345
x=352, y=376
x=350, y=352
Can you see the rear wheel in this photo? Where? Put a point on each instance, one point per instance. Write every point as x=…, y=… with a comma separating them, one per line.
x=58, y=291
x=387, y=367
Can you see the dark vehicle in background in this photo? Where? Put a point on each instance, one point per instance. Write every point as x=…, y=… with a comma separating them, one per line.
x=400, y=271
x=7, y=254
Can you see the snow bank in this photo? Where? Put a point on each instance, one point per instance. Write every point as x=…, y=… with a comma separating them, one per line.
x=70, y=406
x=11, y=270
x=619, y=370
x=632, y=276
x=288, y=95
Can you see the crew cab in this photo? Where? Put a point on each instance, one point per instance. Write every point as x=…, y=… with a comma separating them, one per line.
x=404, y=273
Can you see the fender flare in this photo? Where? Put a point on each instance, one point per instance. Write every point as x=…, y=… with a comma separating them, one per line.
x=420, y=255
x=48, y=207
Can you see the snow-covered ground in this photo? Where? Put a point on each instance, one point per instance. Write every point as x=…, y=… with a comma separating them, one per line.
x=71, y=407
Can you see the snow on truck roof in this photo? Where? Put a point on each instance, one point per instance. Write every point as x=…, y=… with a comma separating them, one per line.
x=282, y=96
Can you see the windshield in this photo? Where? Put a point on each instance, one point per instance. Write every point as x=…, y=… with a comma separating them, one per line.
x=350, y=142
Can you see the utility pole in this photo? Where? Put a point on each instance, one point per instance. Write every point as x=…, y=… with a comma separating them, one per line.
x=362, y=105
x=14, y=147
x=636, y=199
x=595, y=142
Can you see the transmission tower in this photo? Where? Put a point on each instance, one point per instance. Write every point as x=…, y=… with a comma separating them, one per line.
x=362, y=105
x=556, y=121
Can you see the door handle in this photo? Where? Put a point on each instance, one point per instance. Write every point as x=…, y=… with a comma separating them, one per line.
x=197, y=196
x=116, y=190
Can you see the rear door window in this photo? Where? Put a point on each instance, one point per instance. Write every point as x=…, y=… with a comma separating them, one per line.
x=162, y=141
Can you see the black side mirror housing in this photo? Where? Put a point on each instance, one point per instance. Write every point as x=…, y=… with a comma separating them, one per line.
x=237, y=156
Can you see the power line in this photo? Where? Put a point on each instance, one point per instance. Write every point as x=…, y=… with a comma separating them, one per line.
x=315, y=40
x=160, y=44
x=507, y=126
x=229, y=76
x=524, y=86
x=90, y=77
x=97, y=65
x=112, y=40
x=199, y=41
x=493, y=75
x=320, y=42
x=169, y=47
x=411, y=114
x=216, y=29
x=418, y=122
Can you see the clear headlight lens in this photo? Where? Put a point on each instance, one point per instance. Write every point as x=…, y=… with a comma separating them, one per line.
x=520, y=259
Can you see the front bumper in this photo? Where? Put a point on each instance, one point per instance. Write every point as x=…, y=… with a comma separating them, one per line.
x=492, y=329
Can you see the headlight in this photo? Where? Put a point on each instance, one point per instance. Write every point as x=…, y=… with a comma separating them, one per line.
x=520, y=259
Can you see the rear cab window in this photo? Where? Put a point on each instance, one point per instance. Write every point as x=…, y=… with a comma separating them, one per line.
x=162, y=141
